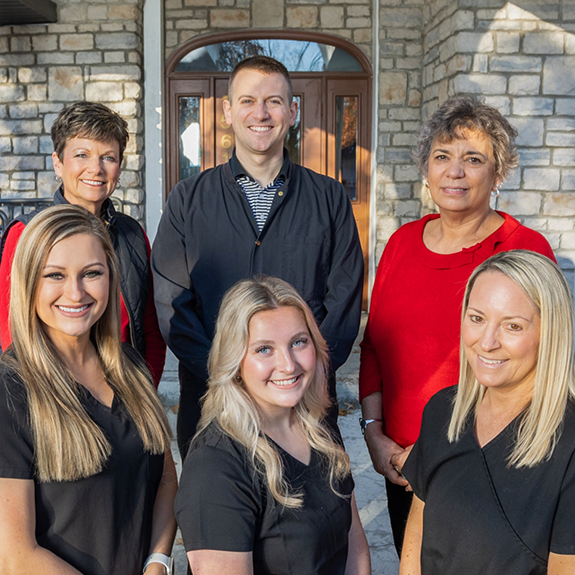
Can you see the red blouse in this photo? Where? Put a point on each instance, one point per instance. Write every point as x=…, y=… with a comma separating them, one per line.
x=410, y=349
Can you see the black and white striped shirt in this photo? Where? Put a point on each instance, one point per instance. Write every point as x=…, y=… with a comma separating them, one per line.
x=260, y=199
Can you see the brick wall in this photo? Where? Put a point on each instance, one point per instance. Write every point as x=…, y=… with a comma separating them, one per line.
x=94, y=52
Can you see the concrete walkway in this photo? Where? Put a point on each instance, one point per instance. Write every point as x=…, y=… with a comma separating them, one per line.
x=369, y=486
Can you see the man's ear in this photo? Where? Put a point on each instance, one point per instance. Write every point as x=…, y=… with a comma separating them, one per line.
x=292, y=113
x=227, y=110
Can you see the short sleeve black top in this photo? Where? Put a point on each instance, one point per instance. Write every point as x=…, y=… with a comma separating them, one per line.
x=223, y=504
x=101, y=525
x=481, y=516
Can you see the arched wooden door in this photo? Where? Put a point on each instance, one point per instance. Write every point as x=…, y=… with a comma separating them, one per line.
x=332, y=86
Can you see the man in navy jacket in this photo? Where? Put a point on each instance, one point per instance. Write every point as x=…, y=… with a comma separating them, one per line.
x=258, y=214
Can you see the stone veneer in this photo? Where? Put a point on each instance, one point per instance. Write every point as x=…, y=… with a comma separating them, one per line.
x=520, y=56
x=94, y=52
x=351, y=19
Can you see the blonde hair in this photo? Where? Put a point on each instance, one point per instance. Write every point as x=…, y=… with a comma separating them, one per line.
x=540, y=427
x=228, y=403
x=68, y=444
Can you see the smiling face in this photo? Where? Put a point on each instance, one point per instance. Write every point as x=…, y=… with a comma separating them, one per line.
x=279, y=363
x=461, y=173
x=500, y=333
x=73, y=289
x=90, y=171
x=260, y=113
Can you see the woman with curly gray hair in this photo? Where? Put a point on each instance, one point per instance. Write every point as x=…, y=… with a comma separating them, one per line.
x=410, y=347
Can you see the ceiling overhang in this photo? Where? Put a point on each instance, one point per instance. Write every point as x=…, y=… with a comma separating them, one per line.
x=21, y=12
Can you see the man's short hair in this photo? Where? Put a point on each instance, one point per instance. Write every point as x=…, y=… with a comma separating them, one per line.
x=265, y=65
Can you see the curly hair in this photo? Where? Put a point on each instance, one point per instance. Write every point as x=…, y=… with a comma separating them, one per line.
x=458, y=115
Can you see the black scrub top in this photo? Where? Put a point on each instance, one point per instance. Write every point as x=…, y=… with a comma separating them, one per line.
x=223, y=504
x=482, y=517
x=101, y=525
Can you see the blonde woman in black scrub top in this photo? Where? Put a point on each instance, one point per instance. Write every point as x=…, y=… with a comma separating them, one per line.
x=87, y=482
x=493, y=470
x=265, y=488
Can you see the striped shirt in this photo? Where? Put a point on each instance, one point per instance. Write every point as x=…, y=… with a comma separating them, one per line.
x=260, y=199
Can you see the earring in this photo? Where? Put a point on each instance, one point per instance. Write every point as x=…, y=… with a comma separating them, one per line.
x=118, y=183
x=238, y=378
x=425, y=183
x=495, y=193
x=58, y=179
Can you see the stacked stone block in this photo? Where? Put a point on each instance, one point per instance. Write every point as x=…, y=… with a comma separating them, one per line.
x=521, y=58
x=350, y=19
x=399, y=115
x=94, y=52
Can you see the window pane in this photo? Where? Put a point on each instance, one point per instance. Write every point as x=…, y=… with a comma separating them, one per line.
x=293, y=137
x=190, y=140
x=296, y=55
x=346, y=144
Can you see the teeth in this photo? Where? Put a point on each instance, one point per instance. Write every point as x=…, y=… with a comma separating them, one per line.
x=260, y=128
x=284, y=381
x=93, y=182
x=492, y=361
x=72, y=309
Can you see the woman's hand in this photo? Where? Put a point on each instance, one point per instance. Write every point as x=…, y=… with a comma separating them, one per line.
x=382, y=448
x=387, y=456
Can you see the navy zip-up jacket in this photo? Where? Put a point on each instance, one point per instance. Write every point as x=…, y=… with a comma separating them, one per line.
x=208, y=240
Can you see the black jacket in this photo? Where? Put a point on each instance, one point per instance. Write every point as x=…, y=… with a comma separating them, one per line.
x=129, y=242
x=208, y=240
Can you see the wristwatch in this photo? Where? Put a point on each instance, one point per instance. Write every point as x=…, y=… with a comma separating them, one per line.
x=363, y=423
x=167, y=562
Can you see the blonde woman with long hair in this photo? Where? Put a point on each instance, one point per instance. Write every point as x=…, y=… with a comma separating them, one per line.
x=493, y=470
x=87, y=482
x=265, y=488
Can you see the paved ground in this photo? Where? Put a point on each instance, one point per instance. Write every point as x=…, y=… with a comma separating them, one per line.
x=369, y=486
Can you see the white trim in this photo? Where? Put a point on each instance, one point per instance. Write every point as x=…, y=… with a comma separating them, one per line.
x=153, y=67
x=371, y=263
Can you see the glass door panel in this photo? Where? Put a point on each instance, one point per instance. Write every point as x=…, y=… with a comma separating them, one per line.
x=190, y=138
x=346, y=143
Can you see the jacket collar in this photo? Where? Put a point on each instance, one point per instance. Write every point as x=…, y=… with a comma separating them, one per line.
x=238, y=170
x=107, y=215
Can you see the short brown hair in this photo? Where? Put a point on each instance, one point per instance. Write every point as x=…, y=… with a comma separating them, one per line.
x=89, y=120
x=459, y=114
x=265, y=65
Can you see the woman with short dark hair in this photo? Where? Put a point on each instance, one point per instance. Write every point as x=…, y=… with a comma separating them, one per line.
x=89, y=143
x=410, y=346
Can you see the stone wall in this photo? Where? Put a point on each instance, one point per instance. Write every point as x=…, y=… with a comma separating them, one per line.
x=94, y=52
x=351, y=19
x=399, y=116
x=521, y=58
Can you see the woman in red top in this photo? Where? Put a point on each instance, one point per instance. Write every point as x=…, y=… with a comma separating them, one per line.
x=411, y=343
x=89, y=142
